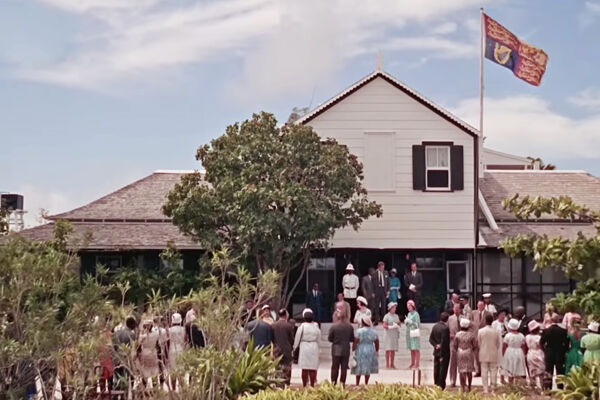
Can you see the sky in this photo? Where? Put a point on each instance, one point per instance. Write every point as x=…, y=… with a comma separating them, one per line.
x=95, y=94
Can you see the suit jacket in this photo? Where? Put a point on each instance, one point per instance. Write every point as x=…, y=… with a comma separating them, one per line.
x=453, y=325
x=440, y=334
x=367, y=287
x=523, y=326
x=478, y=319
x=283, y=339
x=489, y=340
x=555, y=342
x=341, y=334
x=416, y=280
x=386, y=281
x=315, y=303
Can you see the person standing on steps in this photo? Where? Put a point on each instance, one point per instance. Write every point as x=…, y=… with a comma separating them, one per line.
x=367, y=288
x=440, y=341
x=382, y=290
x=350, y=284
x=414, y=282
x=315, y=301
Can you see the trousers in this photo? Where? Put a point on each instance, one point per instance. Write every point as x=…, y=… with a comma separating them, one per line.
x=553, y=361
x=489, y=375
x=339, y=366
x=440, y=370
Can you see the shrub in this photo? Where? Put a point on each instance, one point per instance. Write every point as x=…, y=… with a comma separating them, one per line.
x=581, y=383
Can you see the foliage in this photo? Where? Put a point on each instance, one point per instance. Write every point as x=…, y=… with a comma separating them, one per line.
x=271, y=194
x=47, y=324
x=543, y=165
x=328, y=391
x=4, y=214
x=579, y=257
x=581, y=383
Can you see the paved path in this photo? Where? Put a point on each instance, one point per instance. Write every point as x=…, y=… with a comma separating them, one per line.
x=400, y=375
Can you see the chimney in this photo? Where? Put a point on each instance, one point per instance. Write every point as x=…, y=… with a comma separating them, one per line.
x=536, y=164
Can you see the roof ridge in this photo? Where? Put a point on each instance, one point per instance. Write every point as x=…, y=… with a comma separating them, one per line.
x=64, y=214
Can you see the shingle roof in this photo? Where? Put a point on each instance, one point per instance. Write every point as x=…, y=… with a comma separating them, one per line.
x=117, y=235
x=499, y=185
x=552, y=229
x=396, y=83
x=141, y=200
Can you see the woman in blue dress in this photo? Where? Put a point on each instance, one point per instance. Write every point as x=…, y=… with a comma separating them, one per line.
x=366, y=346
x=394, y=286
x=413, y=335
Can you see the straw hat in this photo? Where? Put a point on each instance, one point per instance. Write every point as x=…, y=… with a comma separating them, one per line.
x=392, y=304
x=533, y=325
x=362, y=300
x=349, y=267
x=176, y=318
x=464, y=323
x=513, y=324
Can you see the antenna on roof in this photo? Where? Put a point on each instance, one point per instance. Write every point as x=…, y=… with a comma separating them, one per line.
x=379, y=65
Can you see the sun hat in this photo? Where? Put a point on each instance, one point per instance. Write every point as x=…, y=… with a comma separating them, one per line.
x=513, y=324
x=464, y=323
x=349, y=267
x=533, y=325
x=176, y=318
x=362, y=300
x=594, y=326
x=367, y=321
x=392, y=304
x=487, y=295
x=306, y=312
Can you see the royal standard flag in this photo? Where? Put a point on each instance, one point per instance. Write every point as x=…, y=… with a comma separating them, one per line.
x=504, y=48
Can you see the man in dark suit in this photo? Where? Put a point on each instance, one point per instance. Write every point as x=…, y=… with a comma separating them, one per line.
x=341, y=335
x=414, y=282
x=555, y=342
x=283, y=342
x=367, y=288
x=314, y=301
x=440, y=341
x=382, y=291
x=521, y=316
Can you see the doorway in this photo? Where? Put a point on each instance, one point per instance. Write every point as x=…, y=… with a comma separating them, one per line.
x=322, y=272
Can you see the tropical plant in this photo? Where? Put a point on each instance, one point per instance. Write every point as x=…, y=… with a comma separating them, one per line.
x=581, y=383
x=271, y=195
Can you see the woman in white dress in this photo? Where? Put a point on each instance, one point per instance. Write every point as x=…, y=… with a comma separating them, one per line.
x=176, y=343
x=363, y=310
x=307, y=340
x=147, y=354
x=514, y=350
x=391, y=337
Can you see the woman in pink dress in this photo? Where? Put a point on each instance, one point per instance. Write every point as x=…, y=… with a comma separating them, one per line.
x=535, y=354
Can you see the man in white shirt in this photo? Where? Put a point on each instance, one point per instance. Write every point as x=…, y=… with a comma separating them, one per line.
x=350, y=283
x=489, y=306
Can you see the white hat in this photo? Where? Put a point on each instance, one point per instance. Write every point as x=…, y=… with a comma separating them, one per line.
x=306, y=312
x=265, y=307
x=487, y=295
x=464, y=323
x=513, y=324
x=392, y=304
x=394, y=270
x=176, y=318
x=349, y=267
x=362, y=300
x=594, y=326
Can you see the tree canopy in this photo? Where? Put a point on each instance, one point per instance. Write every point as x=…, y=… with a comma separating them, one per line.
x=578, y=257
x=271, y=194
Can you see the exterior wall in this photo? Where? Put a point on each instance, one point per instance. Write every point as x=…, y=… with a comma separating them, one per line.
x=497, y=160
x=411, y=219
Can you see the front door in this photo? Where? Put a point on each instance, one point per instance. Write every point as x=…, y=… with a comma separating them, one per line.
x=458, y=276
x=322, y=271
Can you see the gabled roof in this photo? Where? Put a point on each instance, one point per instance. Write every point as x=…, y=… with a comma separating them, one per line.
x=399, y=85
x=140, y=201
x=522, y=159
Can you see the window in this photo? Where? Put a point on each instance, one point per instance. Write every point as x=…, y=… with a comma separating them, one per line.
x=109, y=262
x=458, y=276
x=437, y=166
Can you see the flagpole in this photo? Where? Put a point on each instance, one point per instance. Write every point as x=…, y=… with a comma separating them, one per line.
x=481, y=88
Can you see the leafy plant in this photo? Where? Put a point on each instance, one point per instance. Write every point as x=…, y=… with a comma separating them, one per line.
x=581, y=383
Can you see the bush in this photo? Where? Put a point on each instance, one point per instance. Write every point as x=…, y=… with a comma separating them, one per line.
x=581, y=383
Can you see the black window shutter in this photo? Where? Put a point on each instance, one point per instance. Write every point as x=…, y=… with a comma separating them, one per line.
x=418, y=162
x=456, y=168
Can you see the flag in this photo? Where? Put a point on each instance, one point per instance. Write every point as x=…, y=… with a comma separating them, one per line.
x=503, y=47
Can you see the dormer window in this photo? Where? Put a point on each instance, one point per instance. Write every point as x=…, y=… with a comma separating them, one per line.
x=437, y=167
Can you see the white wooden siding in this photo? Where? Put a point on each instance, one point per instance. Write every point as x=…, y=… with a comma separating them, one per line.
x=411, y=219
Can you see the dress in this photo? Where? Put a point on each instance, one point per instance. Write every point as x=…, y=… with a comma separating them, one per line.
x=176, y=344
x=360, y=314
x=366, y=356
x=513, y=363
x=392, y=334
x=307, y=340
x=591, y=344
x=465, y=344
x=535, y=355
x=148, y=356
x=413, y=321
x=574, y=356
x=394, y=289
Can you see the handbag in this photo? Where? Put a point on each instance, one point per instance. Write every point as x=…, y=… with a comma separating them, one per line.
x=415, y=333
x=352, y=362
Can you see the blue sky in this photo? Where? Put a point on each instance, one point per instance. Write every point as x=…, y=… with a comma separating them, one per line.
x=97, y=93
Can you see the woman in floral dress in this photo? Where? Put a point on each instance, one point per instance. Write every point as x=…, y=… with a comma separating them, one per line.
x=465, y=346
x=413, y=343
x=535, y=354
x=366, y=346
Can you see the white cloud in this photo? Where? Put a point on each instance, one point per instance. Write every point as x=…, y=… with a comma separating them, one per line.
x=282, y=45
x=588, y=98
x=527, y=125
x=590, y=13
x=37, y=199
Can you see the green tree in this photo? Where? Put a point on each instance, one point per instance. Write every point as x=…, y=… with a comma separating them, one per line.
x=579, y=258
x=4, y=214
x=271, y=195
